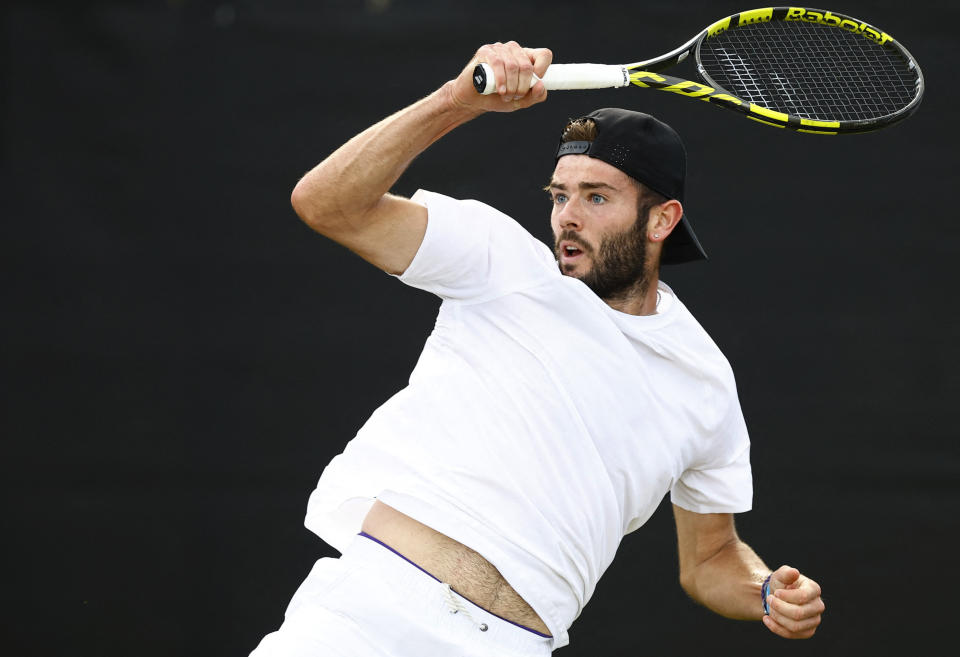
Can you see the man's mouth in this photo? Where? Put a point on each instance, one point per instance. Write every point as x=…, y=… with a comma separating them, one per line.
x=569, y=252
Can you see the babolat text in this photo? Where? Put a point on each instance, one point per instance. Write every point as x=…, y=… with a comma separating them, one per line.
x=831, y=19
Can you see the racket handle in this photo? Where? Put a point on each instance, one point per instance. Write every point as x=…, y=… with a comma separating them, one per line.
x=561, y=76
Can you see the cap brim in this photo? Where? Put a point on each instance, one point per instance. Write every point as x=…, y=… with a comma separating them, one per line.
x=682, y=245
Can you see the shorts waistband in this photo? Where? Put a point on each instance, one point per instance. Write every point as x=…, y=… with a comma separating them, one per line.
x=418, y=582
x=414, y=564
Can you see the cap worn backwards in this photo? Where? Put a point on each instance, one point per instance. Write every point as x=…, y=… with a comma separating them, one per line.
x=650, y=152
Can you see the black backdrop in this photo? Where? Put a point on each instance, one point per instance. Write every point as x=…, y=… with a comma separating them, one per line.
x=181, y=356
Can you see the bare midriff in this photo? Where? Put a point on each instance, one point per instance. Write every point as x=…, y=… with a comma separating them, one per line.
x=453, y=563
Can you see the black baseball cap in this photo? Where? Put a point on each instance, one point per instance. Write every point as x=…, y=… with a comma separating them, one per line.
x=649, y=151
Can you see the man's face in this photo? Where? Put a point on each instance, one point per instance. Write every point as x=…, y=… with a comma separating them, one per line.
x=597, y=235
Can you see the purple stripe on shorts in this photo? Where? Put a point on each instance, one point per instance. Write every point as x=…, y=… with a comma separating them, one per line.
x=376, y=540
x=522, y=627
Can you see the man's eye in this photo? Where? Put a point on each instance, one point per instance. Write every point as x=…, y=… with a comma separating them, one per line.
x=560, y=198
x=596, y=199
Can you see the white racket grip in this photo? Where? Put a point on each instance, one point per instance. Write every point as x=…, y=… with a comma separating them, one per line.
x=566, y=76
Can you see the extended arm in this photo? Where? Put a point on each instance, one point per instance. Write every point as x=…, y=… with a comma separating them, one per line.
x=724, y=574
x=346, y=197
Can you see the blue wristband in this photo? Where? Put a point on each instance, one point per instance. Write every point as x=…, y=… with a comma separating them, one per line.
x=764, y=592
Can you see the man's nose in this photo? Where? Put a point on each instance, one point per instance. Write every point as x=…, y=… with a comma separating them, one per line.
x=569, y=217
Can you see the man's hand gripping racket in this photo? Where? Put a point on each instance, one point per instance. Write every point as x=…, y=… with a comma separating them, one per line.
x=517, y=71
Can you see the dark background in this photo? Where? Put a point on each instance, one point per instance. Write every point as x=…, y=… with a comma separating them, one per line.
x=181, y=356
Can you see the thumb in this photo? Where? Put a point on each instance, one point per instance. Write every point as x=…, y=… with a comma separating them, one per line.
x=786, y=577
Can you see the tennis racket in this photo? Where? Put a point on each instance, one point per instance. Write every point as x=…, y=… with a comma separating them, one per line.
x=808, y=70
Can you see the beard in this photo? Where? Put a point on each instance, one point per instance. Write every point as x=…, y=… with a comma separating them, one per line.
x=619, y=264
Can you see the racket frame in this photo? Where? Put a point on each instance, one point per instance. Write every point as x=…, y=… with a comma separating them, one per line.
x=784, y=120
x=647, y=74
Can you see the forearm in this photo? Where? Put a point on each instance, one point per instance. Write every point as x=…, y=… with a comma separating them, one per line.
x=350, y=182
x=729, y=582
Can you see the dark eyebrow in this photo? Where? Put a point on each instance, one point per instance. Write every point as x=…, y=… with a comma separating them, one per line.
x=553, y=184
x=597, y=185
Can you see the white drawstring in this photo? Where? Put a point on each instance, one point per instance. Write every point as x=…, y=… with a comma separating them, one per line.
x=453, y=602
x=455, y=606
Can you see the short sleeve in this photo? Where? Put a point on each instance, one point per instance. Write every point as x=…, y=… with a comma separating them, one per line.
x=471, y=251
x=724, y=482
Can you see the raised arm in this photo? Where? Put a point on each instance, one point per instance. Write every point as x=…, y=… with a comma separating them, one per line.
x=724, y=574
x=346, y=197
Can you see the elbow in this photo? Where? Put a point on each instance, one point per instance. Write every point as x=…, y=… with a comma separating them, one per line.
x=300, y=201
x=304, y=201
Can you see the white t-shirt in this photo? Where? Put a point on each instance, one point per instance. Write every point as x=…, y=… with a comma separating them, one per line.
x=540, y=425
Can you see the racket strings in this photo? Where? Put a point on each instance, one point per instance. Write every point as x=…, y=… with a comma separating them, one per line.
x=810, y=71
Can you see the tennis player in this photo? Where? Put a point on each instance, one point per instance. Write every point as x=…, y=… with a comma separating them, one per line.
x=561, y=395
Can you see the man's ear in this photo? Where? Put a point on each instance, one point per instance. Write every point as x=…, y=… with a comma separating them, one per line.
x=663, y=219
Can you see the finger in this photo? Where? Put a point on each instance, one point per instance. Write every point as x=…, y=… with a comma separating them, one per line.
x=490, y=54
x=502, y=72
x=796, y=612
x=541, y=58
x=505, y=72
x=537, y=94
x=785, y=632
x=525, y=77
x=511, y=66
x=795, y=625
x=806, y=591
x=785, y=576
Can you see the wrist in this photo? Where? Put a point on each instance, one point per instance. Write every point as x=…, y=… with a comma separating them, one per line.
x=764, y=593
x=451, y=93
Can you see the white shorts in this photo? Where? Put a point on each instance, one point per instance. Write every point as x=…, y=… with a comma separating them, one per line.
x=371, y=602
